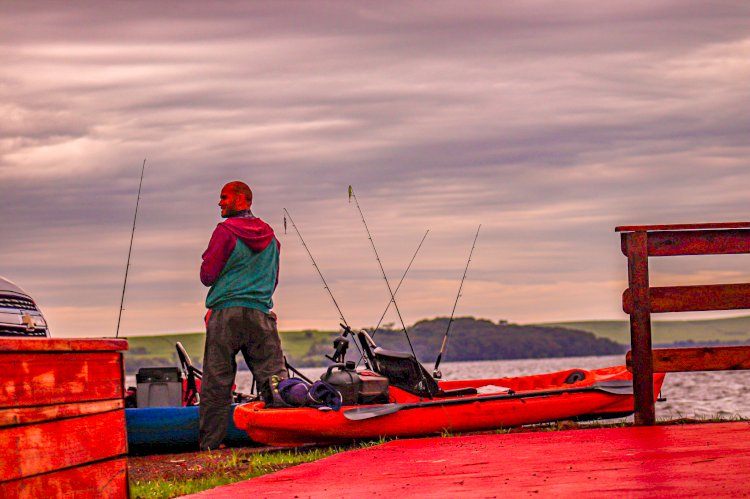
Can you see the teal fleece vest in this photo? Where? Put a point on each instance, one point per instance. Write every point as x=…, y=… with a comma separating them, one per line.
x=248, y=279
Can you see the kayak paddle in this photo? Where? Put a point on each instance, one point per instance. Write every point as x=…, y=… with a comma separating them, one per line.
x=615, y=387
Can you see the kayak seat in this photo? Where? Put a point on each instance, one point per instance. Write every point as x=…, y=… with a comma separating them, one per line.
x=405, y=372
x=382, y=352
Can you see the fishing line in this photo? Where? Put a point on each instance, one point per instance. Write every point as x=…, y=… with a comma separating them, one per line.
x=399, y=283
x=388, y=285
x=435, y=372
x=344, y=324
x=132, y=233
x=374, y=331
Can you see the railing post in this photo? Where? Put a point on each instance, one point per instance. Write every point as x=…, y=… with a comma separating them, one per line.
x=638, y=243
x=640, y=328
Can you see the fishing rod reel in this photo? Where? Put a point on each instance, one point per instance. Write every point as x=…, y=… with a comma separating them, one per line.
x=340, y=346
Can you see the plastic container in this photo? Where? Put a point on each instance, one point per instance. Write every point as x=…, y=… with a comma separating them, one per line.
x=158, y=387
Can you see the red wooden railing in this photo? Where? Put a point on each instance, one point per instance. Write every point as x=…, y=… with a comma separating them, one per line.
x=640, y=301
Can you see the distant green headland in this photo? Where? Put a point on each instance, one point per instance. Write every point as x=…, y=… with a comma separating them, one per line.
x=470, y=339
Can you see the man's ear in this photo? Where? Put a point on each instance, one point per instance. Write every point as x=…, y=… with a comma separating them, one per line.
x=242, y=204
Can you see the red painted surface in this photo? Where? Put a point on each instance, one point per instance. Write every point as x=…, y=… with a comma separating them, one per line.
x=92, y=481
x=705, y=460
x=30, y=415
x=62, y=345
x=62, y=423
x=29, y=450
x=36, y=378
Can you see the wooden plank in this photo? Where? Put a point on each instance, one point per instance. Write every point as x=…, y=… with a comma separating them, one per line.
x=28, y=415
x=61, y=345
x=103, y=479
x=693, y=298
x=704, y=242
x=32, y=379
x=640, y=329
x=714, y=225
x=33, y=449
x=675, y=360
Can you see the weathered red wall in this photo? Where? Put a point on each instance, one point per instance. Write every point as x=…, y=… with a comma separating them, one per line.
x=62, y=420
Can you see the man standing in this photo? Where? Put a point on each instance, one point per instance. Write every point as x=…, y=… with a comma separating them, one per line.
x=241, y=265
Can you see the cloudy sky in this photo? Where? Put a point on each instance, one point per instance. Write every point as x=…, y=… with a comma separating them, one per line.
x=548, y=123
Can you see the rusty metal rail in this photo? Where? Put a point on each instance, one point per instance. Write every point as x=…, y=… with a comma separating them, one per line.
x=640, y=301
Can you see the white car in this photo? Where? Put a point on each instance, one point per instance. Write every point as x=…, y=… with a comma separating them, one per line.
x=19, y=315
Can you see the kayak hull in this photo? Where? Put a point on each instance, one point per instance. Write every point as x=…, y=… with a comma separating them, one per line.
x=168, y=429
x=298, y=426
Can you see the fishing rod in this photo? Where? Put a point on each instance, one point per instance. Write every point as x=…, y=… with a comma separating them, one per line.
x=436, y=372
x=344, y=324
x=130, y=250
x=388, y=285
x=398, y=287
x=399, y=283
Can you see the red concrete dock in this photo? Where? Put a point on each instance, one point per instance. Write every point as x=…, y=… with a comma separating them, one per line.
x=698, y=460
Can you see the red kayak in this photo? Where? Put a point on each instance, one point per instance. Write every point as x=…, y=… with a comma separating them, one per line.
x=454, y=406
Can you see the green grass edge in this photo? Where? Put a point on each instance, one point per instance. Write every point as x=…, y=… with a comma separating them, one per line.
x=261, y=464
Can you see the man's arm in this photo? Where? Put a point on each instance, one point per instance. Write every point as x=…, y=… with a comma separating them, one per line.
x=278, y=264
x=216, y=255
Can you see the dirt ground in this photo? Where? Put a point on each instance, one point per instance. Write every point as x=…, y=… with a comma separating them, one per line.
x=192, y=465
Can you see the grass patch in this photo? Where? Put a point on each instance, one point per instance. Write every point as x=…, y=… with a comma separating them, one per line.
x=182, y=474
x=702, y=419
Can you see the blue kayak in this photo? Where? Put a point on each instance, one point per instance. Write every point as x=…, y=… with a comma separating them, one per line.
x=153, y=428
x=168, y=429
